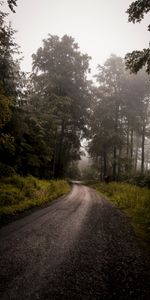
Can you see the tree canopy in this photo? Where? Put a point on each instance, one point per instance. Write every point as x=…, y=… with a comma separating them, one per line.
x=45, y=116
x=137, y=9
x=119, y=120
x=12, y=4
x=138, y=58
x=62, y=89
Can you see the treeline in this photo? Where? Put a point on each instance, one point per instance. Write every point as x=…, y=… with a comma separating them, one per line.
x=45, y=116
x=120, y=121
x=42, y=118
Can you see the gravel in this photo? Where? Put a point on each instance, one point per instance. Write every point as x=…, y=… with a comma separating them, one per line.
x=80, y=247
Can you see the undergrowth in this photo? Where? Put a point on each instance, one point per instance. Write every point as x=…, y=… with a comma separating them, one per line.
x=134, y=200
x=20, y=193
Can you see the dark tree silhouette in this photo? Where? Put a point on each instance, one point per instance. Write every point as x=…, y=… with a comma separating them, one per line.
x=138, y=58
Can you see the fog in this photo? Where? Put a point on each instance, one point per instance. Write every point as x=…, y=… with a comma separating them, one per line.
x=99, y=27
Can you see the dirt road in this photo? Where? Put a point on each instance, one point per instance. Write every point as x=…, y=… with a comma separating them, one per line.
x=80, y=247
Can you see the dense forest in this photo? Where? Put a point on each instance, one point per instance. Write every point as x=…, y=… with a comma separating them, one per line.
x=120, y=120
x=45, y=116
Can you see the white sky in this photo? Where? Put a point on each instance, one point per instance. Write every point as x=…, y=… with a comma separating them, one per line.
x=100, y=27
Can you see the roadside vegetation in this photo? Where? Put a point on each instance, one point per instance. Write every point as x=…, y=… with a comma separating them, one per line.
x=133, y=200
x=20, y=193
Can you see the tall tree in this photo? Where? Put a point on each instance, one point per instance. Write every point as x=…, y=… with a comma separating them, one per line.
x=136, y=111
x=62, y=89
x=110, y=79
x=9, y=88
x=120, y=119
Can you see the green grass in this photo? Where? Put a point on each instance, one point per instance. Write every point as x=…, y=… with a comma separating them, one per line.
x=20, y=193
x=133, y=200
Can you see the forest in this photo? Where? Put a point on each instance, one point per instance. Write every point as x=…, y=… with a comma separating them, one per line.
x=45, y=115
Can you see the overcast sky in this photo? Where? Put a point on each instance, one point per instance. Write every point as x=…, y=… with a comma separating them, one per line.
x=100, y=27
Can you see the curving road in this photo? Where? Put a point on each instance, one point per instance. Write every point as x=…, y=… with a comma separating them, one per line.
x=80, y=247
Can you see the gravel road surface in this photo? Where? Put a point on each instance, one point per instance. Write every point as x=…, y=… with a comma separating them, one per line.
x=80, y=247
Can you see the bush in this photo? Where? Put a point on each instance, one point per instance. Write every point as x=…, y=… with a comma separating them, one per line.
x=6, y=171
x=10, y=198
x=142, y=180
x=19, y=193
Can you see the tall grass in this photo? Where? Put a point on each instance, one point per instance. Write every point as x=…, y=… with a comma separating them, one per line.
x=20, y=193
x=134, y=200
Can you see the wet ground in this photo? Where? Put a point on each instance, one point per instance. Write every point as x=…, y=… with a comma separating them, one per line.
x=80, y=247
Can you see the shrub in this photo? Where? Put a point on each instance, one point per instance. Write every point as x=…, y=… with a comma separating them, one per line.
x=142, y=180
x=19, y=193
x=6, y=171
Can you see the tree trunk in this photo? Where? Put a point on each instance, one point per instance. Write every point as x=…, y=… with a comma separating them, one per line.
x=131, y=148
x=115, y=147
x=59, y=164
x=119, y=163
x=101, y=168
x=136, y=154
x=115, y=163
x=128, y=140
x=143, y=148
x=105, y=161
x=55, y=155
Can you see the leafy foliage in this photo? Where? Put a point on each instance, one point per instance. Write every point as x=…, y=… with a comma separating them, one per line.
x=119, y=119
x=137, y=9
x=107, y=129
x=5, y=109
x=62, y=93
x=44, y=117
x=12, y=4
x=19, y=193
x=137, y=59
x=40, y=115
x=10, y=92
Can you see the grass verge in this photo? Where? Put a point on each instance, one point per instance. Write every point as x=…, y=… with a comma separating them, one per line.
x=18, y=194
x=135, y=202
